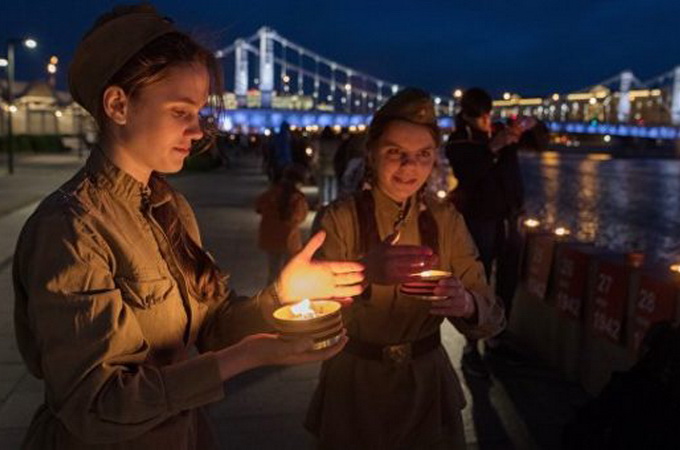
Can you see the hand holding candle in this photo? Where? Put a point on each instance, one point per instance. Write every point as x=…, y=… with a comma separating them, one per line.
x=457, y=302
x=303, y=278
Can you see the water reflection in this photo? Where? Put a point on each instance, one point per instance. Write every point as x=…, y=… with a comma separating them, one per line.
x=617, y=203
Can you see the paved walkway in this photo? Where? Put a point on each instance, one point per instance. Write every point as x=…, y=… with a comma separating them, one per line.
x=519, y=408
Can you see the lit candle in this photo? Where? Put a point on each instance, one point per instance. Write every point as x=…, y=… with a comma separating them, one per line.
x=423, y=288
x=319, y=319
x=531, y=223
x=562, y=231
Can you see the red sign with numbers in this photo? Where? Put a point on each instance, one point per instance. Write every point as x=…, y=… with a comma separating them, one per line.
x=611, y=294
x=539, y=261
x=656, y=301
x=570, y=281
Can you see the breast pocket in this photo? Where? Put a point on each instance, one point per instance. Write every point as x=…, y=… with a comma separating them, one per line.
x=144, y=293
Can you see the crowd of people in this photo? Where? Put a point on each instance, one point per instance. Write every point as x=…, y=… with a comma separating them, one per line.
x=133, y=327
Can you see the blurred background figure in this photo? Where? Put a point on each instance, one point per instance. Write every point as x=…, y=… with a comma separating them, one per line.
x=490, y=195
x=283, y=208
x=280, y=155
x=327, y=145
x=350, y=164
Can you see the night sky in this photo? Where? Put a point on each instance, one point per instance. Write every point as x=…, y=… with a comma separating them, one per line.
x=529, y=47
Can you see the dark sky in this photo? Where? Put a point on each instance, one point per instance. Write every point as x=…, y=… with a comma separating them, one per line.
x=529, y=47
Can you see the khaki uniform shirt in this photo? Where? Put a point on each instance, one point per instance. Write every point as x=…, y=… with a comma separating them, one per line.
x=367, y=404
x=103, y=315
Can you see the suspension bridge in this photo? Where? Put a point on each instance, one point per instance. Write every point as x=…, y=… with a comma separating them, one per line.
x=275, y=80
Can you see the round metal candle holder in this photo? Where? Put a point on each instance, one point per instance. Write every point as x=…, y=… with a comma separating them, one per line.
x=423, y=288
x=325, y=328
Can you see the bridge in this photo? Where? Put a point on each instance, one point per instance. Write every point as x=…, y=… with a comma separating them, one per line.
x=275, y=79
x=300, y=86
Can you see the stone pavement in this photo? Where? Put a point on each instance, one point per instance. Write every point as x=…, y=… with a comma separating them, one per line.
x=518, y=408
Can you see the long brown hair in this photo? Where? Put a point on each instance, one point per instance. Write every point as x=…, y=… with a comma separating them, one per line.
x=147, y=67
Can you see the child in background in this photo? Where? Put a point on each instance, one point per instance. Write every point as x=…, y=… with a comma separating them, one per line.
x=283, y=208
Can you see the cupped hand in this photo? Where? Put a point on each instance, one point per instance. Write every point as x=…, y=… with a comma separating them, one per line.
x=458, y=302
x=304, y=278
x=393, y=264
x=273, y=349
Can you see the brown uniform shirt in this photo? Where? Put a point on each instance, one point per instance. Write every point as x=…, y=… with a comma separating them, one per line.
x=366, y=404
x=103, y=315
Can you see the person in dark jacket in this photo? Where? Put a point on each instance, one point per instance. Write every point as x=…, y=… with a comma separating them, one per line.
x=490, y=195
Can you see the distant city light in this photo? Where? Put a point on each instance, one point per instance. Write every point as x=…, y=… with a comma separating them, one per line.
x=52, y=68
x=441, y=194
x=458, y=93
x=607, y=138
x=267, y=132
x=309, y=151
x=13, y=109
x=54, y=60
x=592, y=100
x=30, y=43
x=506, y=96
x=285, y=78
x=348, y=87
x=437, y=100
x=555, y=97
x=3, y=62
x=58, y=113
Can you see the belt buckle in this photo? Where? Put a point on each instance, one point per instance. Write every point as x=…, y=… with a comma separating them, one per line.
x=398, y=354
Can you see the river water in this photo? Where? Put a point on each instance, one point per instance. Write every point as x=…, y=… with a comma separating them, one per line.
x=619, y=204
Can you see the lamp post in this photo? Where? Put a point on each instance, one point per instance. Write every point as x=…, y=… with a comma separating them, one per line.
x=29, y=43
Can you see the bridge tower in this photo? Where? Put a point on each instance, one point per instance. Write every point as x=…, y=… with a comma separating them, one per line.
x=675, y=97
x=623, y=110
x=266, y=65
x=241, y=72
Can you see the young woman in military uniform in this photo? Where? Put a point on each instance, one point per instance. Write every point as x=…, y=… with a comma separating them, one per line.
x=114, y=293
x=393, y=386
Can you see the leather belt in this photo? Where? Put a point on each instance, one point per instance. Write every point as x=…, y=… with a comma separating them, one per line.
x=398, y=353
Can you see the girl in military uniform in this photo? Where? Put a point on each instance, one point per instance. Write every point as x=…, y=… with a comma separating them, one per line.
x=119, y=310
x=393, y=386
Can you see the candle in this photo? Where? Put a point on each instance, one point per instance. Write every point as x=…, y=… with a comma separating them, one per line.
x=320, y=319
x=423, y=287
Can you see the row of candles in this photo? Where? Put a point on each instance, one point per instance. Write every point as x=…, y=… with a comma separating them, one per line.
x=533, y=223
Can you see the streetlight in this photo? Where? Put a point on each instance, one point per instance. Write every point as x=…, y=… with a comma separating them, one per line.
x=52, y=71
x=31, y=44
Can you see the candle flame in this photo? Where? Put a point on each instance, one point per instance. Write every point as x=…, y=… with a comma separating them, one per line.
x=562, y=231
x=303, y=309
x=428, y=273
x=531, y=223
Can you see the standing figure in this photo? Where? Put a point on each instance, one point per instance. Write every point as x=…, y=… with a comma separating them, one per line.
x=283, y=208
x=119, y=310
x=394, y=387
x=490, y=196
x=327, y=145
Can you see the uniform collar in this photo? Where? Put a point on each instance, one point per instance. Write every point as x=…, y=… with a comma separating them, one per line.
x=105, y=174
x=388, y=208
